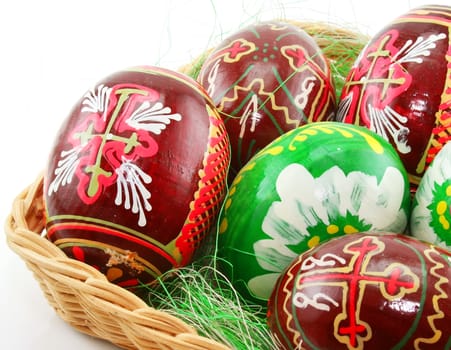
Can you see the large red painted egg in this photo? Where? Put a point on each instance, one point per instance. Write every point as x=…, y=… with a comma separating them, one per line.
x=400, y=86
x=137, y=174
x=266, y=79
x=364, y=291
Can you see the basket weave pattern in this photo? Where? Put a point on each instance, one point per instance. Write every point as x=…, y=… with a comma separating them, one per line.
x=82, y=296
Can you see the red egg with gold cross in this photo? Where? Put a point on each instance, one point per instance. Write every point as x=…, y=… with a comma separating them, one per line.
x=137, y=174
x=367, y=291
x=265, y=80
x=400, y=86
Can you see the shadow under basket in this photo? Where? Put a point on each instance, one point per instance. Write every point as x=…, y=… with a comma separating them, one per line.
x=82, y=296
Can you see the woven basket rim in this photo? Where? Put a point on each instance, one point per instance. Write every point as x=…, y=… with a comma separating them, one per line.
x=83, y=297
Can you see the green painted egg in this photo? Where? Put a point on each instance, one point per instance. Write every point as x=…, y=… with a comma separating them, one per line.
x=431, y=210
x=316, y=182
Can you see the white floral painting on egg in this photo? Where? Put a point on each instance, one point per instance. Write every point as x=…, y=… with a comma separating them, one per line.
x=431, y=214
x=312, y=209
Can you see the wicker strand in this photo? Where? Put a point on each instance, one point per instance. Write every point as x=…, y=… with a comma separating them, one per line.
x=83, y=297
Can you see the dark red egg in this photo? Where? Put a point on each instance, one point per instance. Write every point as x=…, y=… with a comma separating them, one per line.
x=367, y=291
x=400, y=86
x=266, y=79
x=137, y=175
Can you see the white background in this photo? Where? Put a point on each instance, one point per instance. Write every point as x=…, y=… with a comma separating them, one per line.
x=51, y=52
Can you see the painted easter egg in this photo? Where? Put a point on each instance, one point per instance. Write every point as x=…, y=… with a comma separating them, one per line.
x=430, y=219
x=319, y=181
x=266, y=79
x=137, y=174
x=367, y=291
x=400, y=86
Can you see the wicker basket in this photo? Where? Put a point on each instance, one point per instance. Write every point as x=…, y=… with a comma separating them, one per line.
x=82, y=296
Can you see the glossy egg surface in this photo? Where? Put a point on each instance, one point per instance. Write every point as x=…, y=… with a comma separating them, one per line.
x=400, y=86
x=313, y=183
x=266, y=79
x=431, y=211
x=137, y=174
x=364, y=291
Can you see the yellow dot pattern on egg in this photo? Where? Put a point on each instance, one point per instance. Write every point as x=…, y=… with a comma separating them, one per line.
x=444, y=222
x=313, y=242
x=348, y=229
x=223, y=226
x=448, y=191
x=441, y=209
x=346, y=131
x=274, y=150
x=332, y=229
x=237, y=179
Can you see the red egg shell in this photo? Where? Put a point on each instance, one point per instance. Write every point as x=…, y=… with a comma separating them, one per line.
x=137, y=174
x=364, y=291
x=400, y=86
x=267, y=79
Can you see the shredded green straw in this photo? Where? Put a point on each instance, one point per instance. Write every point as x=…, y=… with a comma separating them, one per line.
x=203, y=297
